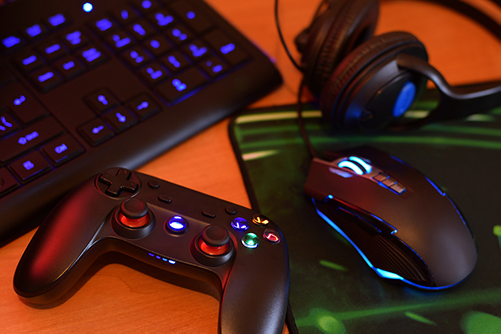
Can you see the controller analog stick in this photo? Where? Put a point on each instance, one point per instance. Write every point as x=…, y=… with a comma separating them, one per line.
x=215, y=240
x=134, y=213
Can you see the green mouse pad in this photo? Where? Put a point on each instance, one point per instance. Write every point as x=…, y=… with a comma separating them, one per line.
x=332, y=290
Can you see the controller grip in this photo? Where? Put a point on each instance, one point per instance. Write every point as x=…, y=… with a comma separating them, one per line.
x=62, y=240
x=256, y=294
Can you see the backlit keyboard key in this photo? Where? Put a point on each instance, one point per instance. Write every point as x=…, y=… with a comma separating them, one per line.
x=226, y=48
x=143, y=106
x=214, y=66
x=140, y=30
x=62, y=149
x=158, y=45
x=153, y=73
x=46, y=79
x=29, y=61
x=179, y=34
x=52, y=50
x=119, y=40
x=69, y=67
x=75, y=39
x=96, y=132
x=174, y=88
x=7, y=124
x=197, y=50
x=92, y=55
x=29, y=138
x=175, y=61
x=30, y=166
x=57, y=21
x=101, y=101
x=21, y=102
x=35, y=31
x=120, y=119
x=191, y=16
x=136, y=57
x=12, y=42
x=124, y=15
x=161, y=19
x=103, y=25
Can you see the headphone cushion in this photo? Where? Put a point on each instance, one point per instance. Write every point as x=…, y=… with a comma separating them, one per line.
x=370, y=53
x=342, y=27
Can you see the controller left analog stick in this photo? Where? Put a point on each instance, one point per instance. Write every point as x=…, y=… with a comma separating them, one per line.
x=133, y=219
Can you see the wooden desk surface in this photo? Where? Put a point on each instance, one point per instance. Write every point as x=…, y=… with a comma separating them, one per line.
x=116, y=298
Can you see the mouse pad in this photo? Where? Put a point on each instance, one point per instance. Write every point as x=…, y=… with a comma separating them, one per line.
x=332, y=290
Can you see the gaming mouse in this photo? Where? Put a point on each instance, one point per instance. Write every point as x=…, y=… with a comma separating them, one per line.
x=400, y=222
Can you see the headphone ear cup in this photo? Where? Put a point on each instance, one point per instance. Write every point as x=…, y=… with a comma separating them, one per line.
x=368, y=79
x=343, y=26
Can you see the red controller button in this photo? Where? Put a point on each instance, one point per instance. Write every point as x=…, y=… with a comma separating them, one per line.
x=134, y=213
x=215, y=240
x=271, y=235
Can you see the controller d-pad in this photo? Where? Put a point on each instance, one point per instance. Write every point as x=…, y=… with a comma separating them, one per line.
x=117, y=182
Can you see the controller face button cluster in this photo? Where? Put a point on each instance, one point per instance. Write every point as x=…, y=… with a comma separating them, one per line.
x=177, y=225
x=260, y=219
x=250, y=240
x=240, y=224
x=271, y=235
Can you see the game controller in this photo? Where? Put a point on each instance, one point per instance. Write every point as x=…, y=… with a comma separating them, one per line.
x=239, y=251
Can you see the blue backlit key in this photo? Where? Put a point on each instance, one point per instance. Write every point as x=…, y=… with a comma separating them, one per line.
x=46, y=79
x=153, y=73
x=140, y=30
x=196, y=50
x=226, y=48
x=35, y=31
x=96, y=132
x=52, y=50
x=157, y=45
x=175, y=61
x=69, y=67
x=121, y=119
x=119, y=40
x=62, y=149
x=182, y=84
x=101, y=101
x=75, y=39
x=12, y=42
x=30, y=166
x=28, y=61
x=179, y=34
x=143, y=106
x=191, y=16
x=103, y=25
x=7, y=124
x=92, y=55
x=162, y=19
x=136, y=57
x=57, y=21
x=17, y=98
x=124, y=15
x=145, y=6
x=214, y=66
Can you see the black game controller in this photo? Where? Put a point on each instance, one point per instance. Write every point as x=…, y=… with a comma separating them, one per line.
x=241, y=252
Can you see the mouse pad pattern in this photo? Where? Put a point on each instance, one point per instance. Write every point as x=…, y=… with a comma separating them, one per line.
x=332, y=290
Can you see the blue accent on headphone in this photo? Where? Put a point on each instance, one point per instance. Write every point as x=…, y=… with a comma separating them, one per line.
x=404, y=99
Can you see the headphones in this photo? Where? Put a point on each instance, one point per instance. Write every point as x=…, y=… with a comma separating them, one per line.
x=367, y=83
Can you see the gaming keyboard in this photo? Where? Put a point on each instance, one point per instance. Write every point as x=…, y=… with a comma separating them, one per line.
x=109, y=83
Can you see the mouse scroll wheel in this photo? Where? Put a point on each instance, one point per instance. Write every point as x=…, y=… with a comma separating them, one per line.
x=357, y=165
